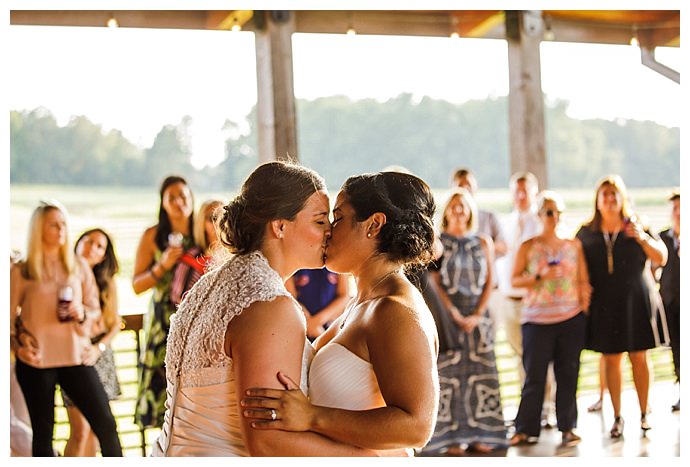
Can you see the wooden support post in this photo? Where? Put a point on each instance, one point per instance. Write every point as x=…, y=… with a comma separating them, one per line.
x=275, y=90
x=524, y=31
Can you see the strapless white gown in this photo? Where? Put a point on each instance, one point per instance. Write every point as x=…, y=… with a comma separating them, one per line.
x=339, y=378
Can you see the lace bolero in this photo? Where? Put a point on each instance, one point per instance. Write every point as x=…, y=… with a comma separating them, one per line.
x=204, y=315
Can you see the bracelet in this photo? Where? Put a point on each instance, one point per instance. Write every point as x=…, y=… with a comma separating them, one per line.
x=153, y=274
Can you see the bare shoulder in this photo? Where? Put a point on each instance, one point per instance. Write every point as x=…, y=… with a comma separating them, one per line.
x=148, y=240
x=149, y=234
x=399, y=324
x=530, y=242
x=404, y=309
x=17, y=271
x=485, y=241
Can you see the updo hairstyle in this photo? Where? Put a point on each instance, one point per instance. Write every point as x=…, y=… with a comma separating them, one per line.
x=408, y=203
x=274, y=190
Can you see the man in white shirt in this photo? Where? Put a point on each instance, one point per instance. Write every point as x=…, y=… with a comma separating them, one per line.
x=521, y=224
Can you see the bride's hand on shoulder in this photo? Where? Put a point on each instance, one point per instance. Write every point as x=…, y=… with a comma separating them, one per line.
x=279, y=409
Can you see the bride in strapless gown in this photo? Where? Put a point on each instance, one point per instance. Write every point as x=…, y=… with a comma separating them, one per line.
x=373, y=381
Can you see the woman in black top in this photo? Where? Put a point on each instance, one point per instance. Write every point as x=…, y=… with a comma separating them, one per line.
x=617, y=250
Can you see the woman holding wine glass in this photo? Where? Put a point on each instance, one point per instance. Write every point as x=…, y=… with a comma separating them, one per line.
x=160, y=251
x=50, y=334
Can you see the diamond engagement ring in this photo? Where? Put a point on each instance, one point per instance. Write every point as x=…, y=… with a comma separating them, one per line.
x=274, y=415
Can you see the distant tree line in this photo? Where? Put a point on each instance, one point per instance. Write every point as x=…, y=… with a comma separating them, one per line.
x=339, y=137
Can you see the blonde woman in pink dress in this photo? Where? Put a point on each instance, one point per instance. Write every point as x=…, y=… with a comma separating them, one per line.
x=52, y=343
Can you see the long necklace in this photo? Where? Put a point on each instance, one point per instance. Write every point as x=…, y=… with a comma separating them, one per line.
x=366, y=297
x=610, y=241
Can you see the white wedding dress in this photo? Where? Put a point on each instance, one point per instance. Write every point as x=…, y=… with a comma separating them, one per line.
x=202, y=416
x=339, y=378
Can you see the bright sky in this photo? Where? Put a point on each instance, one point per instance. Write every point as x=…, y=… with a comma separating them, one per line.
x=139, y=80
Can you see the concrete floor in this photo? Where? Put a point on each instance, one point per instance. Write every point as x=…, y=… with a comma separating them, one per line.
x=663, y=440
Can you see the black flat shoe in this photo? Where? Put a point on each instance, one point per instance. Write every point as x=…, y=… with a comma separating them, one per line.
x=617, y=428
x=570, y=439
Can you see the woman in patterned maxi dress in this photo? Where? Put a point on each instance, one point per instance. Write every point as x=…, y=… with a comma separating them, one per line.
x=470, y=414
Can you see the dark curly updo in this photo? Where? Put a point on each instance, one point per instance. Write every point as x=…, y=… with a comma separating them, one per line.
x=408, y=203
x=274, y=190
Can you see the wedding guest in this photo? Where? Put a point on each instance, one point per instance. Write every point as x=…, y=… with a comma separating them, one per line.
x=464, y=281
x=552, y=268
x=624, y=301
x=521, y=224
x=205, y=233
x=56, y=296
x=160, y=251
x=487, y=221
x=20, y=424
x=322, y=294
x=96, y=247
x=670, y=284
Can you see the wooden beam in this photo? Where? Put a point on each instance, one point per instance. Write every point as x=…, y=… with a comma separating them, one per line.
x=524, y=31
x=479, y=24
x=276, y=97
x=400, y=23
x=227, y=20
x=168, y=19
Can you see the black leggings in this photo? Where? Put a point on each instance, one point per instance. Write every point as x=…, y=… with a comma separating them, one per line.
x=85, y=389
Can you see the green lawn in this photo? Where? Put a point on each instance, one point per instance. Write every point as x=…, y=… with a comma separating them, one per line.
x=126, y=212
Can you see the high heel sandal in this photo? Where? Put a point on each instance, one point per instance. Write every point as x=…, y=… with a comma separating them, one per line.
x=617, y=428
x=644, y=424
x=596, y=407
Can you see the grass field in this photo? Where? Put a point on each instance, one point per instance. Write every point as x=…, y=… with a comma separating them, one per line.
x=126, y=212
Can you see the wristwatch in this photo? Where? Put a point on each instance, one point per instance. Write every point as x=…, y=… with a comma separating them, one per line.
x=101, y=347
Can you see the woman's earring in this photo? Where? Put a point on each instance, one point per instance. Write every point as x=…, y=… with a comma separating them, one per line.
x=368, y=234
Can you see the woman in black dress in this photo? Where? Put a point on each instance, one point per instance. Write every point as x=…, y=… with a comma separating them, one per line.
x=623, y=305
